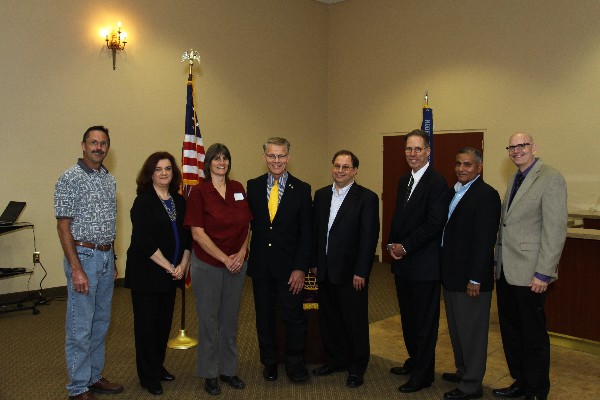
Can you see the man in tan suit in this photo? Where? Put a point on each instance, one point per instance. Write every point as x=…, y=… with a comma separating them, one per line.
x=533, y=229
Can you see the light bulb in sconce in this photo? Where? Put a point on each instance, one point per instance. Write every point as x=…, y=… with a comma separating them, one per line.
x=115, y=41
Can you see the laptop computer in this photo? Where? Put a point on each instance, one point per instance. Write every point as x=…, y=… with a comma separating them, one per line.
x=12, y=212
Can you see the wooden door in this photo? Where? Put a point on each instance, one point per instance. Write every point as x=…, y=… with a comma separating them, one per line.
x=394, y=166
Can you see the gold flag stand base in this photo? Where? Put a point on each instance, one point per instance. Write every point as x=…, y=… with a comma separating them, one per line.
x=182, y=341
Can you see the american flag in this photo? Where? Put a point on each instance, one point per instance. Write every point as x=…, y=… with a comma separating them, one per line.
x=192, y=159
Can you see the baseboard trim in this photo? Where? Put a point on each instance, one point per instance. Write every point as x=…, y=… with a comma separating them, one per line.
x=574, y=343
x=47, y=294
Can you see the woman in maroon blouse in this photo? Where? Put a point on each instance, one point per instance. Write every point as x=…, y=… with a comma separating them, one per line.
x=219, y=218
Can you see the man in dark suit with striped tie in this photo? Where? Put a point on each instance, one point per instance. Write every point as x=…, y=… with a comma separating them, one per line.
x=279, y=258
x=414, y=244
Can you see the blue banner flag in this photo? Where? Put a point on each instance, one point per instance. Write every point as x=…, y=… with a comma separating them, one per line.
x=427, y=126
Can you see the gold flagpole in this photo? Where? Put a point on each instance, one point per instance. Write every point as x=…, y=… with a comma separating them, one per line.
x=183, y=341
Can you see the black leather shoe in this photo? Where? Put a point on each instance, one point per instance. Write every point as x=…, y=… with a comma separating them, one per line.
x=354, y=381
x=233, y=381
x=511, y=392
x=325, y=370
x=403, y=370
x=458, y=394
x=270, y=372
x=296, y=372
x=451, y=377
x=166, y=376
x=412, y=386
x=211, y=386
x=153, y=388
x=535, y=397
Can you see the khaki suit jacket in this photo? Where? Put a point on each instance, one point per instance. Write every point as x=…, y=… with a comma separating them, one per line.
x=534, y=229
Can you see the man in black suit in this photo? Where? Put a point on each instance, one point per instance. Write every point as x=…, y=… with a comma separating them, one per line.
x=414, y=244
x=280, y=252
x=468, y=272
x=346, y=220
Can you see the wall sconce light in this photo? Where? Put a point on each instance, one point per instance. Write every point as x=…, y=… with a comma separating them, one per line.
x=115, y=41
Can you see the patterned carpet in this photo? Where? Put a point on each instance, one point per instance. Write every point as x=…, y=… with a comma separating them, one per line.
x=33, y=366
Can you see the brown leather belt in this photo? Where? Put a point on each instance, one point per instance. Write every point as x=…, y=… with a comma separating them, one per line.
x=101, y=247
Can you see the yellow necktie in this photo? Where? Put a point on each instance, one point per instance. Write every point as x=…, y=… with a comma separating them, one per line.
x=273, y=200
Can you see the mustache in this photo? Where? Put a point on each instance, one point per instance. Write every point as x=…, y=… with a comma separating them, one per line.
x=99, y=152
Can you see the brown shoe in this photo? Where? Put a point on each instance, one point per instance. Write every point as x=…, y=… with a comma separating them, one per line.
x=105, y=387
x=84, y=396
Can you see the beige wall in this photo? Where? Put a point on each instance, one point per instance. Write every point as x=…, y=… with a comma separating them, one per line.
x=326, y=77
x=263, y=73
x=496, y=66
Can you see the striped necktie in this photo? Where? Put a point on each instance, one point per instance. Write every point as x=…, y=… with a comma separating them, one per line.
x=273, y=200
x=408, y=190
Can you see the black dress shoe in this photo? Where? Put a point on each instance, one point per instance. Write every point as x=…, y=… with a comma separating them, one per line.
x=403, y=370
x=354, y=381
x=511, y=392
x=451, y=377
x=296, y=372
x=233, y=381
x=153, y=388
x=458, y=394
x=535, y=397
x=325, y=370
x=166, y=376
x=412, y=386
x=270, y=372
x=211, y=386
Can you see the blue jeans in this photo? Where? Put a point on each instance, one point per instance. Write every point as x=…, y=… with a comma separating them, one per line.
x=88, y=317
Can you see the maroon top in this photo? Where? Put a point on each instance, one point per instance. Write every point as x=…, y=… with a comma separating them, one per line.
x=225, y=220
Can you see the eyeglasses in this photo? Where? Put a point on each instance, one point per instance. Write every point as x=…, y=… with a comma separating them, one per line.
x=342, y=168
x=97, y=143
x=273, y=157
x=517, y=147
x=417, y=150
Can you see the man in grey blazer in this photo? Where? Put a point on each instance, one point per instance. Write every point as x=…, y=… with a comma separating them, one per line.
x=532, y=234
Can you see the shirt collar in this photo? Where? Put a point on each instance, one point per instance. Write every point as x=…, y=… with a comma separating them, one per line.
x=281, y=181
x=419, y=174
x=343, y=191
x=524, y=173
x=89, y=170
x=459, y=187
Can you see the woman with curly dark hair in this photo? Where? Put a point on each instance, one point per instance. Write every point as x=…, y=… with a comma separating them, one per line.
x=157, y=260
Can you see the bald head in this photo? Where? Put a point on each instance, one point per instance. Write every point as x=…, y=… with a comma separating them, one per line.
x=521, y=150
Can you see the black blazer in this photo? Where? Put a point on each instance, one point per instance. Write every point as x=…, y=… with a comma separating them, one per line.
x=469, y=239
x=285, y=244
x=353, y=236
x=419, y=226
x=151, y=230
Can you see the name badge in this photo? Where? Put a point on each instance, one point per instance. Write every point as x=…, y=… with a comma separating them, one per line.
x=238, y=196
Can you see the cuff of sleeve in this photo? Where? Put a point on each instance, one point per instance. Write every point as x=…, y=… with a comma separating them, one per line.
x=542, y=277
x=473, y=282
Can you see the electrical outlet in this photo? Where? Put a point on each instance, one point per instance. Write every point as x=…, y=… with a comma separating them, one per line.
x=36, y=257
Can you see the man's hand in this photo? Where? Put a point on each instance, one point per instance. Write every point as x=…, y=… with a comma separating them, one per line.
x=358, y=282
x=296, y=281
x=80, y=281
x=396, y=251
x=473, y=289
x=538, y=286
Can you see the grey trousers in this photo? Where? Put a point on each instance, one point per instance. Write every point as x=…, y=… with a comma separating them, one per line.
x=468, y=323
x=218, y=295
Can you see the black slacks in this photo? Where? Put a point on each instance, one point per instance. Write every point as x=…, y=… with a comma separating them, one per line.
x=152, y=317
x=268, y=294
x=419, y=303
x=344, y=322
x=524, y=336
